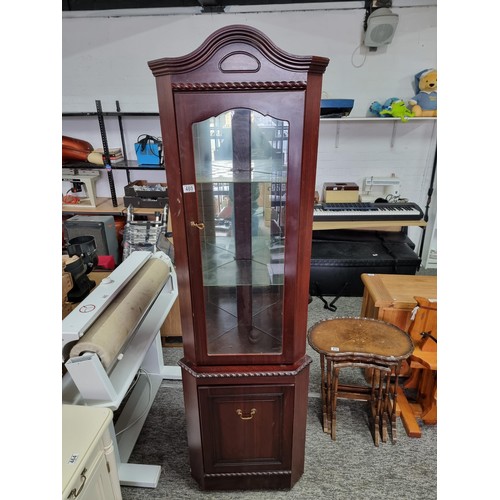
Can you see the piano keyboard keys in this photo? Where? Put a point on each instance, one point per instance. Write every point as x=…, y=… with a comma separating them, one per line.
x=367, y=211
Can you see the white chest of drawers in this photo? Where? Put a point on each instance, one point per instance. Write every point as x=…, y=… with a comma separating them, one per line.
x=89, y=470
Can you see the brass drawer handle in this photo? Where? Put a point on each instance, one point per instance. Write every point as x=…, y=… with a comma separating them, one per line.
x=74, y=493
x=240, y=413
x=199, y=225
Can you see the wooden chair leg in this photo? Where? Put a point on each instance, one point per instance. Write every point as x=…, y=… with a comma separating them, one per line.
x=413, y=380
x=427, y=397
x=407, y=416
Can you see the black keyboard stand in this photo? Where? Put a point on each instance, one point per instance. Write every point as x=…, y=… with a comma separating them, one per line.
x=330, y=306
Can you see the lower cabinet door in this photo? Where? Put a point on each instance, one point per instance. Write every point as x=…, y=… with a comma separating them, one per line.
x=246, y=428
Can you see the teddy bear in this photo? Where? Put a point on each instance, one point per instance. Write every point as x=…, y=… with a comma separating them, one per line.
x=425, y=102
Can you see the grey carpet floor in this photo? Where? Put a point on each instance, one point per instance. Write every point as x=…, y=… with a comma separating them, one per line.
x=349, y=468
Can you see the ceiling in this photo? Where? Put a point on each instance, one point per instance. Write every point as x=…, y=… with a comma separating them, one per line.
x=207, y=5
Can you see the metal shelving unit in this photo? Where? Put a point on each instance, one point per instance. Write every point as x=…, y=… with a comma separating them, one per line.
x=127, y=164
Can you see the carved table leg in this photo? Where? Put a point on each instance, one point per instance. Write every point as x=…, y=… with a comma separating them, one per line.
x=323, y=393
x=377, y=405
x=394, y=402
x=334, y=402
x=327, y=425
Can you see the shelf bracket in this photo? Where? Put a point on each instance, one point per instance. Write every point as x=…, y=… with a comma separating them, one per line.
x=393, y=136
x=337, y=135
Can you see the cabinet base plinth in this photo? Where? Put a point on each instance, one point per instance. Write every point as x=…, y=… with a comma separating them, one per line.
x=250, y=481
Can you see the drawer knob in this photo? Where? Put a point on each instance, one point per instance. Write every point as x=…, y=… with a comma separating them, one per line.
x=240, y=413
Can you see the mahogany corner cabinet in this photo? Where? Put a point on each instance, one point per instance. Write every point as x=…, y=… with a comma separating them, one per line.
x=239, y=121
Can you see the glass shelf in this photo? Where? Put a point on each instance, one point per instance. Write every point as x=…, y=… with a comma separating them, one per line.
x=223, y=172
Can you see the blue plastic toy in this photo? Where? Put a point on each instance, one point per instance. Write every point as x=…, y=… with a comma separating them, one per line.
x=393, y=108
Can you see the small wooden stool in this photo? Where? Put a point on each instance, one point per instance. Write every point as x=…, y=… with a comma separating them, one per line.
x=369, y=344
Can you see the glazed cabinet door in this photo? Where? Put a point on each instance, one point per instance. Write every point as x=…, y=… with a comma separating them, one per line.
x=237, y=198
x=246, y=428
x=238, y=155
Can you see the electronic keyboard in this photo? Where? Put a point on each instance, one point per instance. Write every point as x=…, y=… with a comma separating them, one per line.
x=367, y=211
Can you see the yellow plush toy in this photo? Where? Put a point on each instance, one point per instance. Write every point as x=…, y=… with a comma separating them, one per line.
x=425, y=102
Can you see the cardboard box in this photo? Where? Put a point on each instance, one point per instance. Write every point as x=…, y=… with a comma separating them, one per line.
x=340, y=192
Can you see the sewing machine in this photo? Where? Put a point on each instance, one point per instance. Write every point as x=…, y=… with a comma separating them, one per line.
x=390, y=188
x=111, y=348
x=84, y=179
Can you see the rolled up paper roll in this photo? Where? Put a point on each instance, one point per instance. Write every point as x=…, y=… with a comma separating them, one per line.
x=110, y=332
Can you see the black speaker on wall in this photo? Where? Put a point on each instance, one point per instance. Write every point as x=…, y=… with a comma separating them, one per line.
x=101, y=227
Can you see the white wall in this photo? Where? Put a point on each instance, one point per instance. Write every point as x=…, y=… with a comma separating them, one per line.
x=106, y=58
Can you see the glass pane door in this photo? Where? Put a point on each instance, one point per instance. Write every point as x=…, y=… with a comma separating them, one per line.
x=241, y=167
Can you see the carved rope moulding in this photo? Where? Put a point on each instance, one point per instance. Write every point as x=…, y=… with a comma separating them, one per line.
x=280, y=373
x=182, y=87
x=249, y=474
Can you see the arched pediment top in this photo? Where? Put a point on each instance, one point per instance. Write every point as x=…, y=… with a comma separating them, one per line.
x=238, y=39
